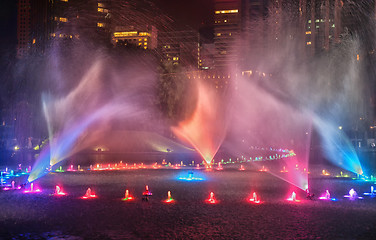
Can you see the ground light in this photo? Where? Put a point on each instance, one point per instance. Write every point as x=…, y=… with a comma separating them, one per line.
x=169, y=198
x=58, y=191
x=190, y=177
x=326, y=196
x=353, y=195
x=293, y=198
x=127, y=196
x=372, y=192
x=32, y=189
x=263, y=169
x=89, y=194
x=211, y=199
x=255, y=199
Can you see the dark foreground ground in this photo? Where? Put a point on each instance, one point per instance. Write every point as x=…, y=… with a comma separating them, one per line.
x=40, y=216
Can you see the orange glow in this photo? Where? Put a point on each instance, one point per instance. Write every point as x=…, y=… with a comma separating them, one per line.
x=206, y=117
x=263, y=169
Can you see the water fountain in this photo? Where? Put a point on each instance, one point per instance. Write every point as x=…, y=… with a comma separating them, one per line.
x=254, y=198
x=32, y=190
x=326, y=196
x=211, y=199
x=209, y=115
x=190, y=177
x=219, y=168
x=371, y=193
x=58, y=191
x=127, y=196
x=89, y=194
x=169, y=198
x=353, y=195
x=293, y=198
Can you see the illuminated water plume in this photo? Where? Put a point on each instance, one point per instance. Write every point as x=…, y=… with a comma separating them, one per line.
x=206, y=128
x=338, y=148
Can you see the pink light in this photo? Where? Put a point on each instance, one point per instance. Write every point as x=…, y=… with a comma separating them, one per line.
x=219, y=168
x=32, y=190
x=89, y=194
x=284, y=170
x=211, y=199
x=59, y=191
x=293, y=198
x=71, y=169
x=198, y=166
x=254, y=199
x=263, y=169
x=241, y=168
x=325, y=196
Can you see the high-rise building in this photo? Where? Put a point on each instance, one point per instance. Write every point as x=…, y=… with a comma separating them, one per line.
x=32, y=25
x=322, y=23
x=179, y=48
x=136, y=36
x=227, y=28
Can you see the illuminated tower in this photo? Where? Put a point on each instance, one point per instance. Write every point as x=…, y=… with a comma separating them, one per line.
x=322, y=23
x=139, y=37
x=227, y=27
x=23, y=27
x=179, y=48
x=32, y=26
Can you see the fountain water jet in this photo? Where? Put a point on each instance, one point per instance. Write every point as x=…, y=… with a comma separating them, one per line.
x=206, y=128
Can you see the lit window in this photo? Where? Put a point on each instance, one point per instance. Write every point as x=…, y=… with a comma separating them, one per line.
x=333, y=25
x=145, y=47
x=100, y=9
x=225, y=20
x=125, y=34
x=309, y=43
x=308, y=32
x=227, y=11
x=63, y=19
x=64, y=0
x=100, y=24
x=219, y=34
x=317, y=20
x=100, y=5
x=145, y=43
x=34, y=42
